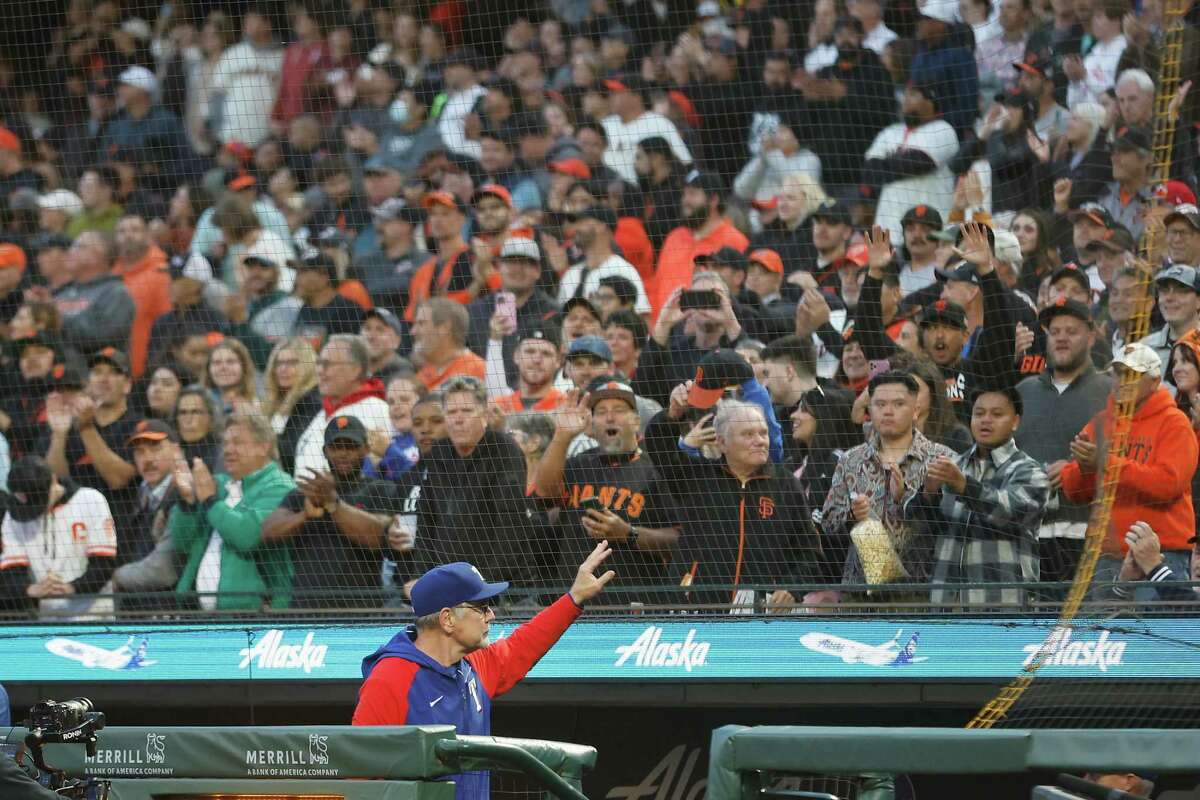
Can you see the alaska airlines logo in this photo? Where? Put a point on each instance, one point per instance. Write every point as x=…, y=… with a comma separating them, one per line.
x=648, y=650
x=271, y=653
x=1061, y=651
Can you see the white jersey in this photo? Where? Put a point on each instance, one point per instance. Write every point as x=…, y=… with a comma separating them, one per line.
x=937, y=140
x=248, y=76
x=623, y=139
x=60, y=543
x=372, y=412
x=613, y=266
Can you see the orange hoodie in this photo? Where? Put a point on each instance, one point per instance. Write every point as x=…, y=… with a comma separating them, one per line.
x=149, y=285
x=1156, y=474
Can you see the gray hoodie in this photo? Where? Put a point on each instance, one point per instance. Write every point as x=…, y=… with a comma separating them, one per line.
x=96, y=313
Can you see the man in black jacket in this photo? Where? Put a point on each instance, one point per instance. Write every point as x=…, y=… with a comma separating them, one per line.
x=473, y=504
x=16, y=785
x=747, y=525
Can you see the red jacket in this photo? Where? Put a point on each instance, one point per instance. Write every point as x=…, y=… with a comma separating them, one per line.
x=677, y=257
x=1156, y=474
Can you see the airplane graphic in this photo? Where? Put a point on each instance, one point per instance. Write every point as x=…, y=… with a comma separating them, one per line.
x=888, y=654
x=122, y=658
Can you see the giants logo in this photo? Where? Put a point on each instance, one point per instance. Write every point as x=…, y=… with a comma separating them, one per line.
x=617, y=499
x=766, y=507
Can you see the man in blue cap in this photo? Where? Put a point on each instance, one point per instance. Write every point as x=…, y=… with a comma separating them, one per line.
x=443, y=671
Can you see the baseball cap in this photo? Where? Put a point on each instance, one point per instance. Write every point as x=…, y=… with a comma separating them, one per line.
x=1007, y=248
x=1176, y=193
x=39, y=339
x=442, y=199
x=1065, y=305
x=395, y=208
x=1179, y=273
x=575, y=167
x=63, y=200
x=590, y=346
x=708, y=182
x=152, y=430
x=581, y=302
x=767, y=259
x=729, y=257
x=923, y=215
x=195, y=266
x=717, y=371
x=12, y=256
x=1075, y=273
x=386, y=317
x=493, y=190
x=626, y=83
x=240, y=180
x=944, y=312
x=546, y=332
x=345, y=429
x=450, y=585
x=243, y=152
x=9, y=140
x=927, y=89
x=520, y=247
x=601, y=213
x=140, y=78
x=65, y=376
x=960, y=271
x=331, y=236
x=942, y=10
x=1137, y=357
x=610, y=387
x=112, y=356
x=1188, y=213
x=1132, y=137
x=1117, y=239
x=29, y=483
x=1095, y=212
x=315, y=259
x=833, y=211
x=381, y=162
x=1036, y=62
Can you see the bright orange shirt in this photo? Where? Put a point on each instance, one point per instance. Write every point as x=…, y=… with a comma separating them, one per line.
x=511, y=403
x=149, y=284
x=465, y=363
x=675, y=261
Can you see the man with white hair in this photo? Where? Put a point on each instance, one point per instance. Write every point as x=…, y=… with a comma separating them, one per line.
x=1155, y=483
x=757, y=527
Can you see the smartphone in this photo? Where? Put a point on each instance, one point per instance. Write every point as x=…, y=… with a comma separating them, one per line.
x=506, y=307
x=592, y=503
x=700, y=299
x=879, y=366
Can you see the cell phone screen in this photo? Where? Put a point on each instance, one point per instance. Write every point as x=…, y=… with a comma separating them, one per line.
x=699, y=299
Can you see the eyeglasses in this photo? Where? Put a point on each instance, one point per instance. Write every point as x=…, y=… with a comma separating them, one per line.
x=482, y=608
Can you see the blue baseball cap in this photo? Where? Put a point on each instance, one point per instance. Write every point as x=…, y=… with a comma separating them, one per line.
x=590, y=346
x=450, y=585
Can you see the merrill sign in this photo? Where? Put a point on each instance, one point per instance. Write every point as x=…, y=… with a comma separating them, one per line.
x=115, y=761
x=299, y=762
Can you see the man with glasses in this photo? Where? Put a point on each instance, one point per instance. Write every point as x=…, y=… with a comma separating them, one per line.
x=443, y=670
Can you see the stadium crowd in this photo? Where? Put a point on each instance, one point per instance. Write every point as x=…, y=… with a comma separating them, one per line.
x=810, y=300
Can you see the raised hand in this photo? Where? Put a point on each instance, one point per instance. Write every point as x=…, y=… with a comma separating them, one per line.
x=879, y=249
x=975, y=248
x=59, y=414
x=702, y=433
x=678, y=405
x=1024, y=339
x=811, y=312
x=587, y=585
x=573, y=416
x=1062, y=195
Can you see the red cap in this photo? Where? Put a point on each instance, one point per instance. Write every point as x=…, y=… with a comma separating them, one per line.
x=614, y=85
x=441, y=199
x=769, y=204
x=244, y=180
x=1176, y=193
x=242, y=151
x=494, y=190
x=12, y=256
x=574, y=167
x=767, y=259
x=9, y=140
x=686, y=107
x=858, y=254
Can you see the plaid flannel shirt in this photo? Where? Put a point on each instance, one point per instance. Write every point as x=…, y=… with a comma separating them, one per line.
x=987, y=534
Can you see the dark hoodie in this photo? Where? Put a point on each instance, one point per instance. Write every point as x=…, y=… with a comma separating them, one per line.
x=404, y=686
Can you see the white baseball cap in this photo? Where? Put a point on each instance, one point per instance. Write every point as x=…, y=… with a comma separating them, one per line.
x=1140, y=358
x=63, y=200
x=520, y=247
x=1007, y=248
x=139, y=78
x=944, y=10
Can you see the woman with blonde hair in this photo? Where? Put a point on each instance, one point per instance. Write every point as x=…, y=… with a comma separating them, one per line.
x=232, y=377
x=1082, y=157
x=291, y=397
x=789, y=231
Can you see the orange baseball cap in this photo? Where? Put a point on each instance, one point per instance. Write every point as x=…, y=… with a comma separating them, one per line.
x=493, y=190
x=243, y=180
x=442, y=199
x=575, y=167
x=9, y=140
x=767, y=259
x=12, y=256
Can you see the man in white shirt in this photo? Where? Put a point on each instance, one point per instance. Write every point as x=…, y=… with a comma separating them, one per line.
x=630, y=123
x=1091, y=76
x=462, y=92
x=920, y=223
x=908, y=161
x=245, y=82
x=594, y=236
x=876, y=35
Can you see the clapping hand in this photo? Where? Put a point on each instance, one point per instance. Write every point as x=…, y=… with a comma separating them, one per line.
x=203, y=480
x=59, y=413
x=185, y=484
x=1144, y=547
x=318, y=487
x=1085, y=452
x=945, y=471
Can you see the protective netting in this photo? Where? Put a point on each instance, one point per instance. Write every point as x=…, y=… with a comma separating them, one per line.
x=802, y=307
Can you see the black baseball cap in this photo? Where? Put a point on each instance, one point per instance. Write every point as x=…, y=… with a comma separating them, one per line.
x=42, y=339
x=395, y=208
x=944, y=312
x=960, y=271
x=709, y=182
x=1075, y=273
x=66, y=376
x=1132, y=137
x=112, y=356
x=577, y=302
x=922, y=215
x=1116, y=239
x=387, y=317
x=315, y=259
x=345, y=429
x=1095, y=212
x=1038, y=62
x=610, y=387
x=716, y=372
x=1065, y=305
x=152, y=430
x=29, y=483
x=831, y=210
x=546, y=332
x=730, y=257
x=600, y=213
x=1187, y=212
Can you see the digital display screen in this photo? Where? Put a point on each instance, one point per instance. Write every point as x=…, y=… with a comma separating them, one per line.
x=244, y=796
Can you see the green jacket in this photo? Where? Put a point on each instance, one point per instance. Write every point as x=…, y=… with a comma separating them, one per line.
x=248, y=568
